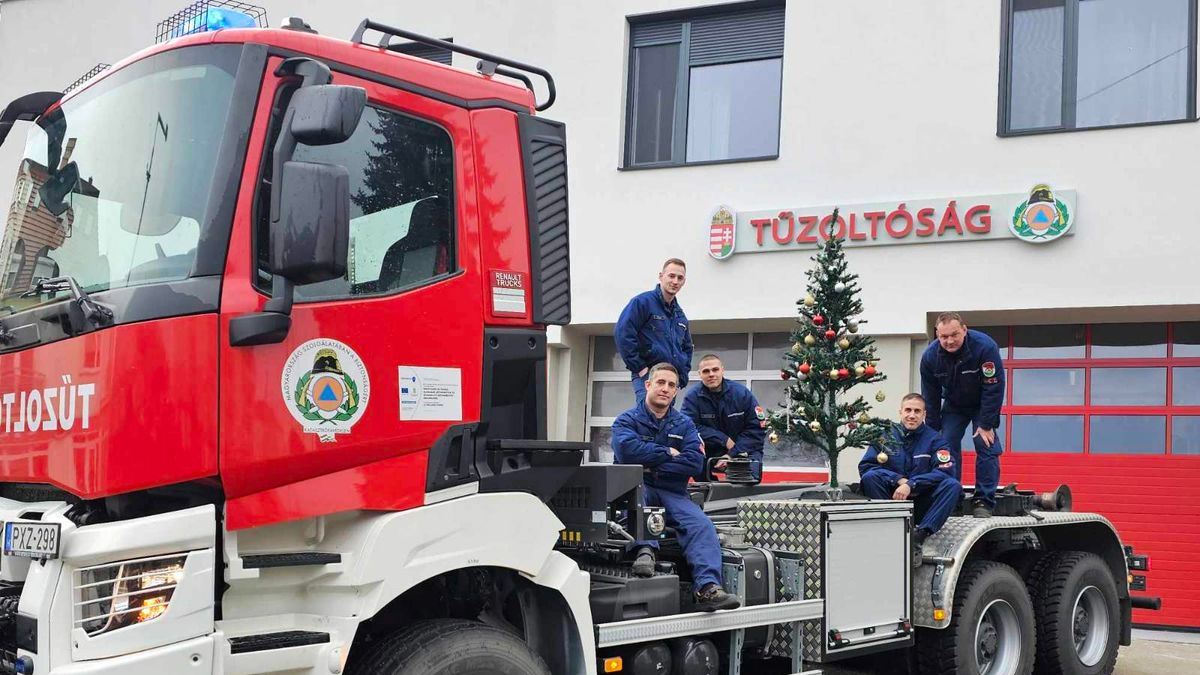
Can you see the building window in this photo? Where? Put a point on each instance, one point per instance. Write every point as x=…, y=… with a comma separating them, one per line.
x=1079, y=64
x=705, y=87
x=1101, y=389
x=44, y=267
x=16, y=262
x=401, y=207
x=752, y=359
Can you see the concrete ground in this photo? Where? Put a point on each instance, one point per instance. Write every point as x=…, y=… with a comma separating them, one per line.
x=1152, y=653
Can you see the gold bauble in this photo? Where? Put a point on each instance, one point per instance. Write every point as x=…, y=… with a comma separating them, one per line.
x=863, y=418
x=859, y=371
x=810, y=340
x=773, y=436
x=880, y=396
x=809, y=300
x=815, y=426
x=833, y=374
x=844, y=343
x=882, y=458
x=797, y=348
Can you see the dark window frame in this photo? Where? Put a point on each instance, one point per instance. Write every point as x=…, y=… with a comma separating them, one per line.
x=1070, y=70
x=1168, y=410
x=682, y=77
x=261, y=280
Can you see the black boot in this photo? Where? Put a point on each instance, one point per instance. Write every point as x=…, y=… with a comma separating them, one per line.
x=918, y=542
x=643, y=564
x=981, y=510
x=712, y=597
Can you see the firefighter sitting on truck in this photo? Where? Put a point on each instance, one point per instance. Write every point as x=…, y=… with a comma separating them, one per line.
x=913, y=462
x=665, y=442
x=729, y=418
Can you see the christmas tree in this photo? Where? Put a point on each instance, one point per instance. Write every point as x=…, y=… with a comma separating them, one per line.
x=828, y=357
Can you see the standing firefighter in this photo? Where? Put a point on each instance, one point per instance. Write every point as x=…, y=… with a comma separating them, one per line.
x=653, y=329
x=962, y=379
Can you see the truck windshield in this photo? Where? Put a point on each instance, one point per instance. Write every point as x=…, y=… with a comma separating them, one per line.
x=114, y=186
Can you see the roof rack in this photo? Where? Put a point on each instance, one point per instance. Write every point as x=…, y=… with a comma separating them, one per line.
x=488, y=64
x=96, y=70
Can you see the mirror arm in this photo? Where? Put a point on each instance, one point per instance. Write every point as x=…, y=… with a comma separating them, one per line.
x=281, y=295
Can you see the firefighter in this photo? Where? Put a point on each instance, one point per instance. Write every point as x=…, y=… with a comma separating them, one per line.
x=913, y=462
x=653, y=328
x=665, y=442
x=962, y=378
x=727, y=415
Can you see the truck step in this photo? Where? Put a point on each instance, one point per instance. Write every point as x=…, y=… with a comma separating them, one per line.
x=288, y=638
x=264, y=560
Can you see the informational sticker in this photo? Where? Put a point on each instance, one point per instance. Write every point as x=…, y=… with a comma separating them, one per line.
x=325, y=387
x=430, y=393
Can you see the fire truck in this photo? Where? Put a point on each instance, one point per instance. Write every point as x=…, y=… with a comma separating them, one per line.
x=273, y=391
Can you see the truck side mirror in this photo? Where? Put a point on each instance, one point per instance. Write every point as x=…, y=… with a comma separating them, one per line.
x=326, y=113
x=311, y=241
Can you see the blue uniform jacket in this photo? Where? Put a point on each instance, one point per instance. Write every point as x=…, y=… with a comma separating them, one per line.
x=731, y=412
x=921, y=455
x=641, y=438
x=968, y=382
x=650, y=332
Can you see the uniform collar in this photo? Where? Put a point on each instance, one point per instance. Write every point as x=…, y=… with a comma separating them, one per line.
x=659, y=294
x=905, y=434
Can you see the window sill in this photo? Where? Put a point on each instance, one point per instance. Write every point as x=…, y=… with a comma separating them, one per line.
x=711, y=162
x=1040, y=132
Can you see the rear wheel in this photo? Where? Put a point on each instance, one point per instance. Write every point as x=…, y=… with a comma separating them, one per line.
x=991, y=629
x=451, y=647
x=1078, y=615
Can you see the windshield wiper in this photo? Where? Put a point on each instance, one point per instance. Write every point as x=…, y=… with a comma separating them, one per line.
x=94, y=312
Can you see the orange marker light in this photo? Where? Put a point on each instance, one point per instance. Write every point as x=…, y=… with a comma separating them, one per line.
x=939, y=614
x=613, y=664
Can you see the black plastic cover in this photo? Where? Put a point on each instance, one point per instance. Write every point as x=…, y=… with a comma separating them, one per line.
x=617, y=595
x=544, y=153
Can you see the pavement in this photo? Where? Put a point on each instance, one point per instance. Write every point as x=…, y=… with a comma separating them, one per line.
x=1152, y=653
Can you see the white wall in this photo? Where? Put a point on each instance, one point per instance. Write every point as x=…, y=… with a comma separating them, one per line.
x=881, y=101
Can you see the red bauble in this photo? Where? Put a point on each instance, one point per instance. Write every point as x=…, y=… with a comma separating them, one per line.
x=842, y=372
x=804, y=368
x=818, y=319
x=830, y=334
x=869, y=371
x=783, y=375
x=852, y=426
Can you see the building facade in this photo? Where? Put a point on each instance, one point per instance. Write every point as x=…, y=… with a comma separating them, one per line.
x=726, y=133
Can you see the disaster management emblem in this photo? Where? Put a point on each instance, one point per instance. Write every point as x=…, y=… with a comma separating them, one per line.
x=325, y=387
x=1040, y=218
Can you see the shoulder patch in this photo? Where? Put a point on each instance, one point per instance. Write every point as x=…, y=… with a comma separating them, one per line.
x=943, y=456
x=988, y=368
x=762, y=414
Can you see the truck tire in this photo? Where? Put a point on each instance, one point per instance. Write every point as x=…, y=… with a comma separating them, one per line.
x=451, y=647
x=991, y=629
x=1078, y=615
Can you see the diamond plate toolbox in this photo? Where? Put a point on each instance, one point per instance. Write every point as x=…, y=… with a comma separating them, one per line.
x=793, y=526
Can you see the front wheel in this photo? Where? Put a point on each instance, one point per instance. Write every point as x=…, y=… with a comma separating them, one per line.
x=1078, y=615
x=991, y=630
x=451, y=647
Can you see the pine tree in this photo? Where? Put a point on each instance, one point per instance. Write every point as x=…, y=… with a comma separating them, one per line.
x=828, y=357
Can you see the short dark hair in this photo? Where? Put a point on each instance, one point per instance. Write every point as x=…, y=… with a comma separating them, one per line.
x=947, y=317
x=663, y=365
x=707, y=357
x=911, y=396
x=674, y=261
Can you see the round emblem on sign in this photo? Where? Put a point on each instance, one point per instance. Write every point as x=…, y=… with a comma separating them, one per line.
x=1041, y=218
x=325, y=387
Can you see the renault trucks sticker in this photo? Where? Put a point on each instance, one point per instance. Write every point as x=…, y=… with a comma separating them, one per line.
x=325, y=387
x=48, y=409
x=430, y=394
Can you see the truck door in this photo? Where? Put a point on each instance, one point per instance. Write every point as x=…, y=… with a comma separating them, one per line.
x=377, y=364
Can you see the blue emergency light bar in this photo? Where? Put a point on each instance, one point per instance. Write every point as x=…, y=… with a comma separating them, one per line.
x=210, y=15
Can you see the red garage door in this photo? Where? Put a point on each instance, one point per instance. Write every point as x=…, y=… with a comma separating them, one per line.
x=1113, y=410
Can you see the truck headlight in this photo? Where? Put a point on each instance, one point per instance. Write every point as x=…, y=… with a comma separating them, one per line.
x=121, y=594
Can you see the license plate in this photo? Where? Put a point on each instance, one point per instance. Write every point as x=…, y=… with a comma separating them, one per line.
x=31, y=540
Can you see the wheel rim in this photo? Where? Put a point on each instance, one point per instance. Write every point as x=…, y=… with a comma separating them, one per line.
x=998, y=640
x=1089, y=626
